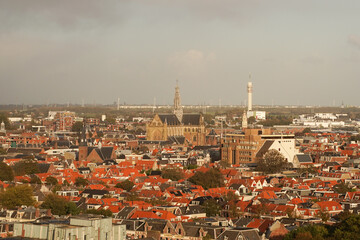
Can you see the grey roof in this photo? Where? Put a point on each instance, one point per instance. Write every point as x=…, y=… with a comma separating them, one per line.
x=191, y=119
x=125, y=212
x=170, y=119
x=43, y=167
x=250, y=235
x=264, y=148
x=177, y=139
x=304, y=158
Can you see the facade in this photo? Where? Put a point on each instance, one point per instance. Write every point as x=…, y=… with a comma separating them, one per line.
x=78, y=228
x=253, y=144
x=179, y=127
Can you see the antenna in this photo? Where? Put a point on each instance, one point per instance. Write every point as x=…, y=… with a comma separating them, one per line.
x=155, y=104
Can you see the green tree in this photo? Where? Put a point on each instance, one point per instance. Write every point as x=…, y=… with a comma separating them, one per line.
x=192, y=166
x=25, y=167
x=211, y=207
x=17, y=196
x=309, y=232
x=126, y=185
x=251, y=120
x=175, y=174
x=210, y=179
x=272, y=162
x=35, y=179
x=224, y=164
x=323, y=215
x=51, y=180
x=4, y=118
x=348, y=229
x=77, y=127
x=59, y=205
x=2, y=151
x=306, y=130
x=106, y=213
x=81, y=182
x=56, y=188
x=342, y=188
x=132, y=196
x=6, y=172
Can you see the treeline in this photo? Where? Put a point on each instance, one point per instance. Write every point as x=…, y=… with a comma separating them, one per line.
x=347, y=229
x=276, y=120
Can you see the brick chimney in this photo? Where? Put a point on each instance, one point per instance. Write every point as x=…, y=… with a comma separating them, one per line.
x=37, y=213
x=48, y=213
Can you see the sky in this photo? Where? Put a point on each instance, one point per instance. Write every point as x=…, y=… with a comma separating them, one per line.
x=298, y=52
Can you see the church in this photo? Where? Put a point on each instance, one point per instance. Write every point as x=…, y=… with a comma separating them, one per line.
x=178, y=127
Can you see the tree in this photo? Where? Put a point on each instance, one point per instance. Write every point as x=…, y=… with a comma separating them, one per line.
x=251, y=120
x=212, y=208
x=17, y=196
x=126, y=185
x=323, y=215
x=2, y=151
x=35, y=179
x=6, y=172
x=81, y=182
x=51, y=180
x=309, y=232
x=25, y=167
x=175, y=174
x=106, y=213
x=132, y=196
x=4, y=118
x=272, y=162
x=348, y=229
x=224, y=164
x=59, y=205
x=192, y=166
x=77, y=127
x=306, y=130
x=66, y=183
x=210, y=179
x=342, y=188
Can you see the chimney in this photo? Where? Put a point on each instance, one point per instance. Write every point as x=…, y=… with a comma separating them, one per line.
x=37, y=213
x=48, y=213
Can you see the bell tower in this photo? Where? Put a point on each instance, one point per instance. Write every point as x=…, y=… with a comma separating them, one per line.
x=83, y=147
x=178, y=109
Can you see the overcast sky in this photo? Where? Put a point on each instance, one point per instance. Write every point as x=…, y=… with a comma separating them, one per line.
x=303, y=52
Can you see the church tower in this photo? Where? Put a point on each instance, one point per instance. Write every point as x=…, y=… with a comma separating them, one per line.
x=244, y=123
x=178, y=109
x=2, y=127
x=83, y=147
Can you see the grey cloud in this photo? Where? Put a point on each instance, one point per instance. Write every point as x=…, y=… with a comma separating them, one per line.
x=65, y=14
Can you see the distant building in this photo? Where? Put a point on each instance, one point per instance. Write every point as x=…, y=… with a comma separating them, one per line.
x=80, y=227
x=253, y=144
x=179, y=127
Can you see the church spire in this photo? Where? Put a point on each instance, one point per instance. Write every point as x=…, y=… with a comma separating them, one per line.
x=178, y=109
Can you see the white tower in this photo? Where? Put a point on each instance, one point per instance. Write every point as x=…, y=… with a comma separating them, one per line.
x=244, y=123
x=249, y=89
x=2, y=127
